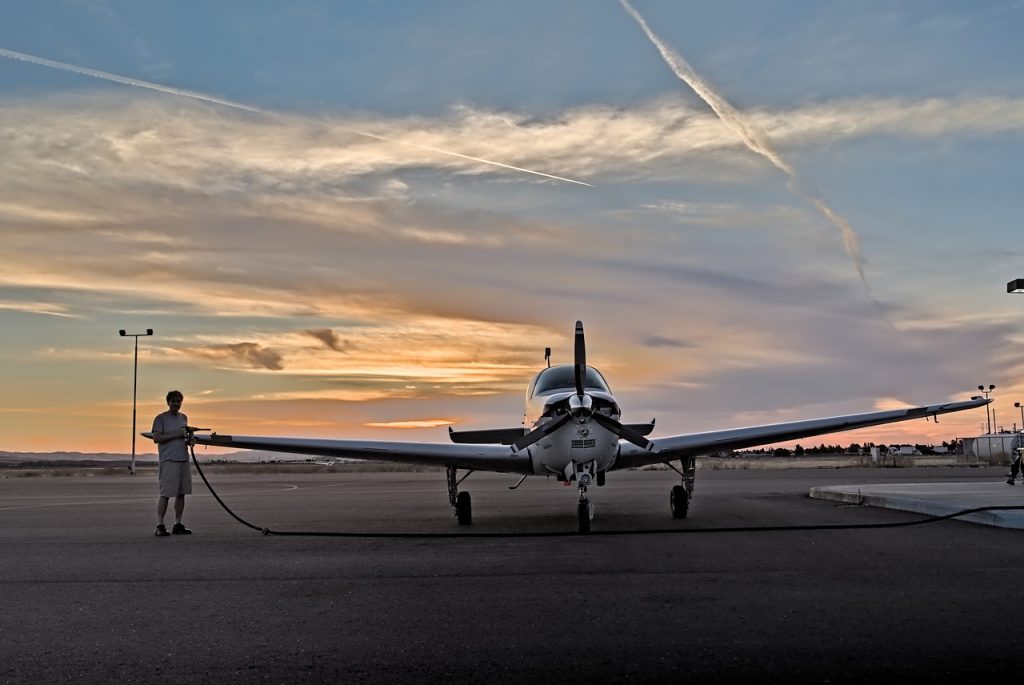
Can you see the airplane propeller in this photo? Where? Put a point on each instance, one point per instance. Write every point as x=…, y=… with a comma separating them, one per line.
x=538, y=433
x=624, y=432
x=579, y=359
x=581, y=406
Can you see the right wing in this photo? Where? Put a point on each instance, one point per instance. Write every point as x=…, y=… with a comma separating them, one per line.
x=661, y=450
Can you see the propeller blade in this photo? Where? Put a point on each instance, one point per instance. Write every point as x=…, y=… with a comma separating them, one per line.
x=538, y=433
x=624, y=432
x=580, y=358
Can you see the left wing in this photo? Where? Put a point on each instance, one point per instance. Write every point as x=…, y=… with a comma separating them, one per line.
x=661, y=450
x=476, y=457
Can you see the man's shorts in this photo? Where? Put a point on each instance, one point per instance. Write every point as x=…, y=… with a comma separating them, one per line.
x=175, y=478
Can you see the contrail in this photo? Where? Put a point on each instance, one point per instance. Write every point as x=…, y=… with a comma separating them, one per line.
x=138, y=83
x=755, y=139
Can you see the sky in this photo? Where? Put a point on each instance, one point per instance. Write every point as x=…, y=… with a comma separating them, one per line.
x=368, y=220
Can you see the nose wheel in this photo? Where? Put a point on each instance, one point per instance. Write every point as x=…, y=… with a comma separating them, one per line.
x=585, y=513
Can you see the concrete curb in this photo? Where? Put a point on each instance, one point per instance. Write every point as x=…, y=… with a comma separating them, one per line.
x=935, y=499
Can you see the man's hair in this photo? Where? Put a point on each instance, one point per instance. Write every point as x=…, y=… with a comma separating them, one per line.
x=175, y=393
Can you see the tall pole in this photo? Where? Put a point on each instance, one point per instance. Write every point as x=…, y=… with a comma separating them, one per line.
x=135, y=386
x=1021, y=407
x=988, y=414
x=135, y=394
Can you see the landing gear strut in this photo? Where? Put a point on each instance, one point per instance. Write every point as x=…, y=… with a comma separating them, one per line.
x=585, y=475
x=461, y=502
x=679, y=500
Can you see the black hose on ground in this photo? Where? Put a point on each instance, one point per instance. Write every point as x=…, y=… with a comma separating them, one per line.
x=560, y=534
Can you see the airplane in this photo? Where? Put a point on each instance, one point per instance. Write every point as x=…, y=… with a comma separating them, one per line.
x=572, y=430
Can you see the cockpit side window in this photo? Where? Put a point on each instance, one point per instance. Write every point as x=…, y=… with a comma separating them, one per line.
x=559, y=378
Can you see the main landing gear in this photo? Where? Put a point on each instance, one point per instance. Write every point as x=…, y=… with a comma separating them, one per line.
x=679, y=500
x=461, y=502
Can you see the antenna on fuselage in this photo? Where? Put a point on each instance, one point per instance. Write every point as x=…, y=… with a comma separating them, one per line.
x=547, y=356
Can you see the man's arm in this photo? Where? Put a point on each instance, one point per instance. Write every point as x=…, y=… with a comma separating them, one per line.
x=160, y=436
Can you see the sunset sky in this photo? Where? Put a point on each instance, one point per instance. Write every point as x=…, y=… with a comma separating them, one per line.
x=760, y=211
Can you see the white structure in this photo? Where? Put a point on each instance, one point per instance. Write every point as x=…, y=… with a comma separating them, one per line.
x=993, y=446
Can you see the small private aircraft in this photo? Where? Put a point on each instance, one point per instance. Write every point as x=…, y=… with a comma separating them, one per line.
x=572, y=430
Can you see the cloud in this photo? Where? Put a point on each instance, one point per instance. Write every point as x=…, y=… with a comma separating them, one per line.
x=303, y=242
x=142, y=142
x=138, y=83
x=329, y=338
x=246, y=353
x=44, y=308
x=661, y=341
x=416, y=423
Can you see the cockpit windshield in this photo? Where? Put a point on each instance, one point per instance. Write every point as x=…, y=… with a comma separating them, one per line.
x=563, y=378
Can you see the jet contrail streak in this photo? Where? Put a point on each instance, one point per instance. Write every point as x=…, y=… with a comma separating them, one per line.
x=138, y=83
x=755, y=139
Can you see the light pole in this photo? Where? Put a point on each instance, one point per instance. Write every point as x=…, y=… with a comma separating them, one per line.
x=988, y=416
x=1021, y=407
x=135, y=378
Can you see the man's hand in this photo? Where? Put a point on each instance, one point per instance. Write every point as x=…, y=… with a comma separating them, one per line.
x=184, y=432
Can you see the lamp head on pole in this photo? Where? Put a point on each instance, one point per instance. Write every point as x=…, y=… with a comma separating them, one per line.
x=1015, y=286
x=122, y=332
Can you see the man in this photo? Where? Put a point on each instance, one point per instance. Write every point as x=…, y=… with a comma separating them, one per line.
x=169, y=433
x=1015, y=466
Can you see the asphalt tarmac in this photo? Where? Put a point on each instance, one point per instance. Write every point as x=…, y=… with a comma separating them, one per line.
x=89, y=595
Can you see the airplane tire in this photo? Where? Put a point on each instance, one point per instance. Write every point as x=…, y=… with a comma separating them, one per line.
x=583, y=514
x=464, y=509
x=680, y=502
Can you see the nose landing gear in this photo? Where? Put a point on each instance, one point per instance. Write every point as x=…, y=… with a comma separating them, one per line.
x=585, y=474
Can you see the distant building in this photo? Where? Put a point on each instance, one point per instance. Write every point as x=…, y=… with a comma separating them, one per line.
x=993, y=447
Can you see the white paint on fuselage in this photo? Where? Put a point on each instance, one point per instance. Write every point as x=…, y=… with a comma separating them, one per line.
x=552, y=454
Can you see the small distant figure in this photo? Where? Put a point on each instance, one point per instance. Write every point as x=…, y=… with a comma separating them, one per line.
x=1015, y=466
x=170, y=431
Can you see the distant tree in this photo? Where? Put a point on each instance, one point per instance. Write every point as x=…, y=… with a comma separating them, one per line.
x=854, y=448
x=798, y=450
x=781, y=452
